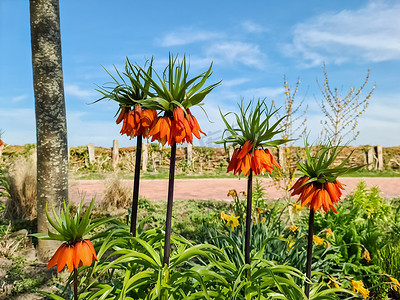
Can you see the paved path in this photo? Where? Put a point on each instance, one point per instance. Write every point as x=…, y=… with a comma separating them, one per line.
x=215, y=189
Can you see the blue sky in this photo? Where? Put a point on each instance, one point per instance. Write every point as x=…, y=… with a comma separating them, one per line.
x=252, y=46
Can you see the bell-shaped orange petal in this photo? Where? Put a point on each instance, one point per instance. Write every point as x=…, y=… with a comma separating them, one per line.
x=246, y=164
x=297, y=188
x=274, y=162
x=77, y=252
x=233, y=162
x=256, y=162
x=86, y=255
x=92, y=249
x=63, y=257
x=54, y=260
x=121, y=115
x=331, y=188
x=307, y=194
x=70, y=258
x=247, y=146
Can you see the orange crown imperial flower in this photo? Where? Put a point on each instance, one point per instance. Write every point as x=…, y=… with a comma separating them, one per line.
x=137, y=122
x=81, y=253
x=174, y=93
x=75, y=251
x=244, y=160
x=137, y=118
x=319, y=187
x=253, y=134
x=179, y=129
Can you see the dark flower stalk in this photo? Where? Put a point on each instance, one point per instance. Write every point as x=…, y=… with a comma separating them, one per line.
x=319, y=189
x=136, y=179
x=171, y=180
x=248, y=217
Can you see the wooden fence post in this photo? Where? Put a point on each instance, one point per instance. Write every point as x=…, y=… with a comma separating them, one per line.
x=230, y=152
x=91, y=152
x=379, y=154
x=281, y=156
x=370, y=158
x=189, y=154
x=145, y=156
x=115, y=154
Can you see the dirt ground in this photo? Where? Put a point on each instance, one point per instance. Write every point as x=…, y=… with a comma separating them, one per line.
x=215, y=189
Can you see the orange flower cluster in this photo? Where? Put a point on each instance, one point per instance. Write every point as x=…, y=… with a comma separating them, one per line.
x=318, y=195
x=1, y=142
x=73, y=255
x=137, y=121
x=244, y=160
x=179, y=129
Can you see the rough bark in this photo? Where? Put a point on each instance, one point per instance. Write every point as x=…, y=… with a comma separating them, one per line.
x=51, y=127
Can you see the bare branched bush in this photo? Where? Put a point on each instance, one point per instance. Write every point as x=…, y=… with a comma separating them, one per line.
x=342, y=110
x=294, y=127
x=116, y=194
x=21, y=188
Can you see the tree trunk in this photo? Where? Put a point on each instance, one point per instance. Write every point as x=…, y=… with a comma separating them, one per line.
x=51, y=127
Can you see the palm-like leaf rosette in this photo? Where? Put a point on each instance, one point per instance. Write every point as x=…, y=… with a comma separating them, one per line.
x=128, y=92
x=174, y=95
x=319, y=187
x=251, y=138
x=75, y=250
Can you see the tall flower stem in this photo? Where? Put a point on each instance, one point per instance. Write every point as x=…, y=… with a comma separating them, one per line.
x=75, y=284
x=309, y=251
x=135, y=198
x=248, y=217
x=167, y=244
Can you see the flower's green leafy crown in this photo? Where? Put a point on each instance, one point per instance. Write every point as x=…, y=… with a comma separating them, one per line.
x=318, y=167
x=128, y=90
x=69, y=229
x=254, y=124
x=175, y=89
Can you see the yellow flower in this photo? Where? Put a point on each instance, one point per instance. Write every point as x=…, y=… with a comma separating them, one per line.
x=328, y=232
x=263, y=220
x=294, y=228
x=358, y=286
x=290, y=246
x=297, y=207
x=224, y=216
x=259, y=210
x=395, y=284
x=334, y=281
x=317, y=240
x=232, y=221
x=232, y=193
x=366, y=255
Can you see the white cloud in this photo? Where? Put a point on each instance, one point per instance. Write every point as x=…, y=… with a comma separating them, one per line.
x=234, y=82
x=252, y=27
x=371, y=33
x=237, y=52
x=76, y=91
x=263, y=92
x=188, y=36
x=19, y=98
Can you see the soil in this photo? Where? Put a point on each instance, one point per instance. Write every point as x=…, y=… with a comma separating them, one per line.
x=215, y=189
